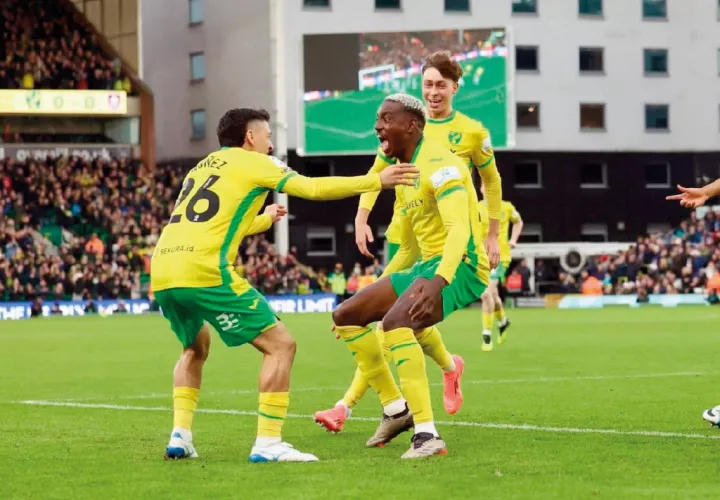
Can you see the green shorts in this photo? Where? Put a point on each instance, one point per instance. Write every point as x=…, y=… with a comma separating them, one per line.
x=392, y=249
x=466, y=287
x=498, y=274
x=238, y=318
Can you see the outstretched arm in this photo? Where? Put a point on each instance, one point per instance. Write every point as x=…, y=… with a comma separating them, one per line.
x=696, y=197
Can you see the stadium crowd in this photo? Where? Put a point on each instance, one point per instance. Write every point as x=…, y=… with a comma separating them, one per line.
x=44, y=46
x=683, y=260
x=104, y=219
x=407, y=49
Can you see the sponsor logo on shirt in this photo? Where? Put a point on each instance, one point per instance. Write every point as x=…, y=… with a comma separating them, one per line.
x=444, y=175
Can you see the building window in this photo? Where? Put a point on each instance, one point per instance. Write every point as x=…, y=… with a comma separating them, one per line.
x=321, y=241
x=591, y=60
x=197, y=66
x=594, y=233
x=657, y=175
x=526, y=58
x=531, y=233
x=457, y=5
x=592, y=116
x=590, y=7
x=593, y=175
x=654, y=9
x=387, y=4
x=524, y=6
x=528, y=114
x=657, y=116
x=655, y=61
x=316, y=3
x=528, y=174
x=197, y=12
x=197, y=123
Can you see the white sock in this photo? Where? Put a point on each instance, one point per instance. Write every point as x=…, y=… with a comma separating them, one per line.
x=428, y=427
x=487, y=333
x=184, y=433
x=348, y=410
x=452, y=367
x=265, y=441
x=397, y=406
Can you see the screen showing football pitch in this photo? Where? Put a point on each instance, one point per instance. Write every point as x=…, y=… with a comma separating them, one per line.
x=347, y=76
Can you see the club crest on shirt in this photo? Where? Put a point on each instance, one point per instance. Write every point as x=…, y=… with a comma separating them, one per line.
x=454, y=137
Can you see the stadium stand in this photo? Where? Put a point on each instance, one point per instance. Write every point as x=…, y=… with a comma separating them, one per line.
x=101, y=220
x=45, y=46
x=684, y=260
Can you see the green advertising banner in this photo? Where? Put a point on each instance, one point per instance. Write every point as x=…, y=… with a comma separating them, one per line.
x=341, y=122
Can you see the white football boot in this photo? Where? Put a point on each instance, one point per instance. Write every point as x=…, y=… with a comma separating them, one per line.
x=712, y=415
x=180, y=445
x=279, y=452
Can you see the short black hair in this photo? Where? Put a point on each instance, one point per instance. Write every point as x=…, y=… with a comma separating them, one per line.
x=234, y=124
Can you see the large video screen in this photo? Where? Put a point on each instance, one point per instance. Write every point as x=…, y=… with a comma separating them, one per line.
x=346, y=77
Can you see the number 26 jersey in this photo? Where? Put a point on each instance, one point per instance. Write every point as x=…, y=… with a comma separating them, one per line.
x=217, y=204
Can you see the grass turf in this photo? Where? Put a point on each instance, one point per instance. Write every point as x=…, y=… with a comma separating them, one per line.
x=591, y=387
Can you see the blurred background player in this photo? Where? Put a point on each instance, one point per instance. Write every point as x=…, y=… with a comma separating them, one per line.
x=468, y=139
x=492, y=305
x=440, y=267
x=195, y=282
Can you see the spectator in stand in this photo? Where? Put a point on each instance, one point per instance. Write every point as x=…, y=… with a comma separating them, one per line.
x=590, y=284
x=367, y=279
x=338, y=282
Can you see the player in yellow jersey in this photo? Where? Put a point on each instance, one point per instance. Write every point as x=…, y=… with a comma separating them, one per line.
x=491, y=300
x=441, y=267
x=195, y=283
x=470, y=140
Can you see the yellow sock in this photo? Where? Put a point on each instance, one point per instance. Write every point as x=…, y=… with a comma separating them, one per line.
x=185, y=401
x=410, y=362
x=368, y=352
x=487, y=319
x=500, y=315
x=272, y=411
x=433, y=346
x=360, y=385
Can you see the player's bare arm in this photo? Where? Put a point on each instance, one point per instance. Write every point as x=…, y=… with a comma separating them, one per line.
x=696, y=197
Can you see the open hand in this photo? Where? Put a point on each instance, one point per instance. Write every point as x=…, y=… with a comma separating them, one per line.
x=363, y=236
x=689, y=197
x=402, y=174
x=276, y=212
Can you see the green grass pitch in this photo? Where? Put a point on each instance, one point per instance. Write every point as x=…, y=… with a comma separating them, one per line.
x=577, y=404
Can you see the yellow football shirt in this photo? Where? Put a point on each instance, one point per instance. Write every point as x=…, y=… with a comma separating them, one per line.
x=216, y=208
x=508, y=215
x=439, y=208
x=467, y=138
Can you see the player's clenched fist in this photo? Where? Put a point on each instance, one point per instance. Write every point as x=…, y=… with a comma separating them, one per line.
x=276, y=212
x=400, y=174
